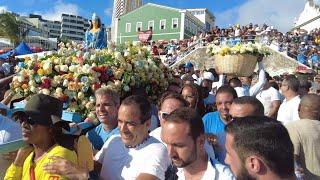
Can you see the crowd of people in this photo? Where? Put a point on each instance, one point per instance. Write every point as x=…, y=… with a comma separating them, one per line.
x=297, y=44
x=205, y=126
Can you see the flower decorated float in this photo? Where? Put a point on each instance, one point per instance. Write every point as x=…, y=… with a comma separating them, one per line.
x=239, y=59
x=73, y=75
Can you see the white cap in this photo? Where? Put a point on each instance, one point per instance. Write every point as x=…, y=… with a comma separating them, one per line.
x=208, y=76
x=195, y=77
x=268, y=29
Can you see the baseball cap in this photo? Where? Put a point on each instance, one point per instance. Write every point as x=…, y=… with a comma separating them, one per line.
x=188, y=65
x=45, y=110
x=208, y=76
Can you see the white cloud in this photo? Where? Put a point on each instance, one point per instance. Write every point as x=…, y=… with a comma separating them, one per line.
x=108, y=11
x=280, y=14
x=59, y=8
x=3, y=9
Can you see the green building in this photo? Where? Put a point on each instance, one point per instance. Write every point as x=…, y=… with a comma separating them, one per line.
x=166, y=23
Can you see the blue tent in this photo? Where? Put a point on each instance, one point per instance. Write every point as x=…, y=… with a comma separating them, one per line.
x=21, y=49
x=6, y=55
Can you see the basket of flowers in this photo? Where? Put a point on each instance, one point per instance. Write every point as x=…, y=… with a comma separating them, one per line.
x=237, y=60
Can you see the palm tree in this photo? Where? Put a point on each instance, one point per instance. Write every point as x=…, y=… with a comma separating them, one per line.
x=9, y=28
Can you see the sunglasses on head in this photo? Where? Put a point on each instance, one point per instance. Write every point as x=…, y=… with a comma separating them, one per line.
x=164, y=115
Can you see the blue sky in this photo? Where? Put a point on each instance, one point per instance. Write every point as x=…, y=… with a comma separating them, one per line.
x=279, y=13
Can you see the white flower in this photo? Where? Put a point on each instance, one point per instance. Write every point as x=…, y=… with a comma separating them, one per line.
x=33, y=89
x=92, y=99
x=93, y=57
x=65, y=83
x=79, y=54
x=80, y=95
x=45, y=91
x=59, y=90
x=86, y=68
x=126, y=88
x=32, y=83
x=47, y=66
x=126, y=53
x=21, y=79
x=64, y=68
x=57, y=68
x=86, y=56
x=117, y=55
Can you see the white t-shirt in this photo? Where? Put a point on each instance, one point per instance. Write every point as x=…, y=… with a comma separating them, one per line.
x=241, y=91
x=237, y=32
x=266, y=97
x=215, y=170
x=208, y=148
x=9, y=131
x=288, y=110
x=120, y=162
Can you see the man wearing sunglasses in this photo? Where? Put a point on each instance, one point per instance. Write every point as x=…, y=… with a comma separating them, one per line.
x=168, y=103
x=41, y=127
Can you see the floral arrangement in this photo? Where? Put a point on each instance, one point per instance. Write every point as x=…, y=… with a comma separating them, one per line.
x=248, y=48
x=73, y=75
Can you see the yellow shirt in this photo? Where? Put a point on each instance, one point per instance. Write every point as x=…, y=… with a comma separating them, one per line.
x=22, y=173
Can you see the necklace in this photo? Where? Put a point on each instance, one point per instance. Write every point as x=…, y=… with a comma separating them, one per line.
x=136, y=146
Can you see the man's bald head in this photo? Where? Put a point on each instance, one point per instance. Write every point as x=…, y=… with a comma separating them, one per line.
x=310, y=107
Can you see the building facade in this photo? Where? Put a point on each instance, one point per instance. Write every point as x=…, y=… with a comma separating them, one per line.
x=309, y=18
x=166, y=23
x=205, y=16
x=121, y=7
x=52, y=27
x=73, y=27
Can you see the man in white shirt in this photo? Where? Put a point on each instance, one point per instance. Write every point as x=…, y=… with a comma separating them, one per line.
x=270, y=98
x=183, y=132
x=288, y=110
x=237, y=85
x=133, y=154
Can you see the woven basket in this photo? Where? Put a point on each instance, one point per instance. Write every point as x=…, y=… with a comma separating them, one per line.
x=236, y=65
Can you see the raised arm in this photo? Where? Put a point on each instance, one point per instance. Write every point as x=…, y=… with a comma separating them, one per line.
x=261, y=81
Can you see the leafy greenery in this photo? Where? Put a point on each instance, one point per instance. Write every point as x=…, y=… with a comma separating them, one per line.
x=9, y=28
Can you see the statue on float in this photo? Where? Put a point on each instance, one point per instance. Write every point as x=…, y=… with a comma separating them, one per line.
x=95, y=35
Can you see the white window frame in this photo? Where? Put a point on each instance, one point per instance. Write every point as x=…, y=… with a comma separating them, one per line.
x=152, y=22
x=138, y=26
x=128, y=29
x=177, y=23
x=162, y=20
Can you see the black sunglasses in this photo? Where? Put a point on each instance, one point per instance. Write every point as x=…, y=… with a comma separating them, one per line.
x=23, y=117
x=164, y=115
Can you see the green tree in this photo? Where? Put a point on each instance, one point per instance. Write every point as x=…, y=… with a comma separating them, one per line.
x=64, y=39
x=9, y=28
